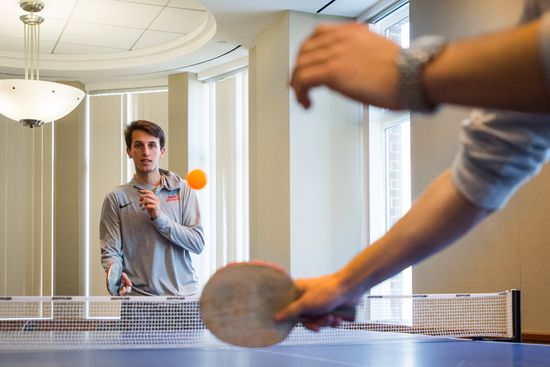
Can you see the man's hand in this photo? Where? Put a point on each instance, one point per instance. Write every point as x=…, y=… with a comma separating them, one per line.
x=150, y=202
x=319, y=297
x=125, y=286
x=350, y=59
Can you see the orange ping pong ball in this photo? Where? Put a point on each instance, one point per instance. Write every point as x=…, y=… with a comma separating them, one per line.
x=196, y=179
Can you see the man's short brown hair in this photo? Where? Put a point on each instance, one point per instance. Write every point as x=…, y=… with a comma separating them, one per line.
x=149, y=127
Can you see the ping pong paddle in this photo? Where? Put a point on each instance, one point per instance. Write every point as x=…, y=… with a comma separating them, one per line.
x=114, y=280
x=239, y=301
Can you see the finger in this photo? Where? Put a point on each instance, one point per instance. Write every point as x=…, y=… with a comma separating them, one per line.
x=329, y=28
x=124, y=291
x=320, y=321
x=308, y=78
x=319, y=42
x=336, y=321
x=311, y=326
x=291, y=311
x=126, y=280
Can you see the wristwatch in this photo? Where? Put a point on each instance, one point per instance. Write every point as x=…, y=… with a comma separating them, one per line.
x=411, y=62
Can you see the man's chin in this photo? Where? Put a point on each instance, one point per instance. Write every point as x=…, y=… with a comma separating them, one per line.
x=146, y=169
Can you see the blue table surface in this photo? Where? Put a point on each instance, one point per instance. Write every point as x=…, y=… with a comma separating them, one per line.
x=440, y=352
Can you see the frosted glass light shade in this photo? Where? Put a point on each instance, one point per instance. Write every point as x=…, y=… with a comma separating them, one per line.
x=37, y=100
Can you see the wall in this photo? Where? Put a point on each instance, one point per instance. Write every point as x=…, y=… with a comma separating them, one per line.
x=69, y=202
x=305, y=166
x=35, y=212
x=25, y=209
x=512, y=248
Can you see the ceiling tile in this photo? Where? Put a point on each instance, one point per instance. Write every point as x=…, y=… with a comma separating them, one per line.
x=51, y=29
x=53, y=9
x=11, y=7
x=57, y=9
x=154, y=38
x=100, y=35
x=75, y=49
x=11, y=26
x=178, y=20
x=116, y=13
x=186, y=4
x=15, y=44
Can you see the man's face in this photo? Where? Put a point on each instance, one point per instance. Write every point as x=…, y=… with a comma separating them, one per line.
x=145, y=151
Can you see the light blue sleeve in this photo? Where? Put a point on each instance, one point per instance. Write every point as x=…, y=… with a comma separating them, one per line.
x=499, y=151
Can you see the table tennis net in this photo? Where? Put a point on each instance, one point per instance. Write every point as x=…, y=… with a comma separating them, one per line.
x=165, y=322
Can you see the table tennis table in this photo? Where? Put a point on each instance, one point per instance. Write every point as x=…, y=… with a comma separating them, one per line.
x=395, y=350
x=168, y=331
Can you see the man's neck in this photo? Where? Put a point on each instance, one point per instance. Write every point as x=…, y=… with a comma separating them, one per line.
x=148, y=178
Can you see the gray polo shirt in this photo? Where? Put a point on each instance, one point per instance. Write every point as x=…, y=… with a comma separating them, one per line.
x=500, y=150
x=155, y=254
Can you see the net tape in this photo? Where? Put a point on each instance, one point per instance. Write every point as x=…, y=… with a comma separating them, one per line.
x=165, y=322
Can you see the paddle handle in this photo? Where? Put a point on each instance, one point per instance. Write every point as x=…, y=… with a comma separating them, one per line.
x=347, y=313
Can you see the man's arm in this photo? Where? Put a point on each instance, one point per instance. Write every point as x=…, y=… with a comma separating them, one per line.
x=500, y=70
x=504, y=70
x=109, y=234
x=110, y=242
x=189, y=234
x=437, y=218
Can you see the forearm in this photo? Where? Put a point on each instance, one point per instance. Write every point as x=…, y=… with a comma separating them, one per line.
x=109, y=234
x=189, y=237
x=475, y=73
x=438, y=217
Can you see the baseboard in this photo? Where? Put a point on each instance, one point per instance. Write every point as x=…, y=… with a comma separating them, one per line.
x=543, y=338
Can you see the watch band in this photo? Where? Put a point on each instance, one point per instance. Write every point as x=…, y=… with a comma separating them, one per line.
x=411, y=62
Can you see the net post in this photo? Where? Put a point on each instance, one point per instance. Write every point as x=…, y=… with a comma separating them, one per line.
x=516, y=315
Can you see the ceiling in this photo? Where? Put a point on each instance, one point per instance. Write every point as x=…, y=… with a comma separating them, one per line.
x=106, y=40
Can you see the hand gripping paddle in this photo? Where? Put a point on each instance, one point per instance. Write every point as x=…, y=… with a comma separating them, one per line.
x=240, y=300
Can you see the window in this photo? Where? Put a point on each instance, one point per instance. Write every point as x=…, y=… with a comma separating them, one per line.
x=389, y=165
x=223, y=133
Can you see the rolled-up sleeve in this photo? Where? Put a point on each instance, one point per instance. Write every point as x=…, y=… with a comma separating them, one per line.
x=499, y=151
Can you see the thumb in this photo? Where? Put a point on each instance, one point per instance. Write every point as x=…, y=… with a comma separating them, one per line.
x=291, y=311
x=125, y=280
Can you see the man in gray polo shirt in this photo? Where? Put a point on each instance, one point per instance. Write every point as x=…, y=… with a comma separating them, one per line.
x=151, y=224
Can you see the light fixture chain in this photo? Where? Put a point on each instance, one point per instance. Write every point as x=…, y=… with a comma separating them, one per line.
x=26, y=39
x=31, y=53
x=37, y=51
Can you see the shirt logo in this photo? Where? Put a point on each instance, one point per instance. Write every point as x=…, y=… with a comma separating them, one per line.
x=125, y=205
x=173, y=197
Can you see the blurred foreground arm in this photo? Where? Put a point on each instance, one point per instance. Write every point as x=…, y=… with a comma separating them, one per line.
x=501, y=70
x=440, y=216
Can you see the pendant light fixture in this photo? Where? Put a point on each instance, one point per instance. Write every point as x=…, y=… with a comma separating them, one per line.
x=32, y=101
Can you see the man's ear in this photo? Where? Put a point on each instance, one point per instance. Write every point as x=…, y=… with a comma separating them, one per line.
x=128, y=152
x=162, y=151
